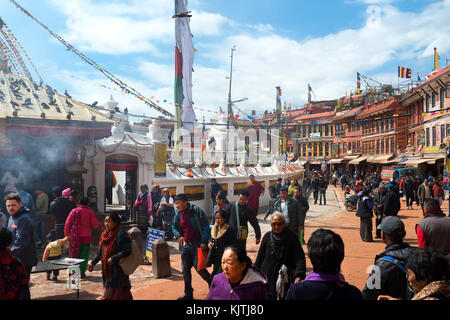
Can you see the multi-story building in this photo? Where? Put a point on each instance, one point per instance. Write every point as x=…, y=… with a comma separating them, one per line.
x=430, y=103
x=384, y=132
x=315, y=138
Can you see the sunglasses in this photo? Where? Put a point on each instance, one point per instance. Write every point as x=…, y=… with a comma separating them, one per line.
x=277, y=224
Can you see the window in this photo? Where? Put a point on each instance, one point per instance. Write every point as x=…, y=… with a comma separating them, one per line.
x=433, y=136
x=442, y=98
x=359, y=147
x=378, y=146
x=378, y=125
x=321, y=130
x=442, y=133
x=315, y=149
x=386, y=125
x=309, y=131
x=320, y=149
x=392, y=123
x=331, y=130
x=304, y=131
x=354, y=147
x=387, y=145
x=427, y=137
x=327, y=131
x=309, y=150
x=304, y=149
x=382, y=146
x=427, y=103
x=392, y=145
x=433, y=100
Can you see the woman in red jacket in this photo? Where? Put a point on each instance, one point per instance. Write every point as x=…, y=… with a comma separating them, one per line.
x=78, y=228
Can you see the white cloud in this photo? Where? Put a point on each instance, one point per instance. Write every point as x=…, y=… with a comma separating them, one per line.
x=263, y=59
x=128, y=26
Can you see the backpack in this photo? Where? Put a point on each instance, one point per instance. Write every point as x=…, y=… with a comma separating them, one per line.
x=409, y=293
x=133, y=261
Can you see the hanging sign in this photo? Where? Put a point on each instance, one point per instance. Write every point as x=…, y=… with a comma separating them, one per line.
x=160, y=160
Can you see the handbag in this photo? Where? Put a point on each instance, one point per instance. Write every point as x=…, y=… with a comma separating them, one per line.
x=133, y=261
x=242, y=231
x=201, y=259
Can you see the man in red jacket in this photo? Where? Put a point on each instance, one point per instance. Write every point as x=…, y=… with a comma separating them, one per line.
x=255, y=190
x=434, y=229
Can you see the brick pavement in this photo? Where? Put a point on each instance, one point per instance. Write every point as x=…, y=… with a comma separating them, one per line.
x=359, y=256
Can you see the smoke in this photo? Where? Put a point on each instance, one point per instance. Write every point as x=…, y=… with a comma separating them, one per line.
x=41, y=161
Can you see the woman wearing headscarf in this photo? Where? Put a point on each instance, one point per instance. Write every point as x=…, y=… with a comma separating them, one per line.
x=281, y=258
x=114, y=245
x=221, y=237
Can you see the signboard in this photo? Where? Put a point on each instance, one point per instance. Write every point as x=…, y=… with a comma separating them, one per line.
x=314, y=135
x=152, y=236
x=160, y=160
x=434, y=149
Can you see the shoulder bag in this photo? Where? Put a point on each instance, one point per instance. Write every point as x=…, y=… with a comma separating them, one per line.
x=130, y=263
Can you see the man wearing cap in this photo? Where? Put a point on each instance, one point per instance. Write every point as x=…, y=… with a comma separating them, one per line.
x=389, y=274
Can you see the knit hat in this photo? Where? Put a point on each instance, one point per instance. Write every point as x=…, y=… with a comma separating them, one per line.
x=66, y=193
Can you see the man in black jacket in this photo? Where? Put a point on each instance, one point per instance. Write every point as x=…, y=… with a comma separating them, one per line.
x=60, y=209
x=323, y=185
x=408, y=191
x=304, y=207
x=392, y=201
x=389, y=275
x=315, y=184
x=240, y=214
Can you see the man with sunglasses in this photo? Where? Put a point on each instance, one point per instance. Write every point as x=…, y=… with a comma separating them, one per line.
x=281, y=258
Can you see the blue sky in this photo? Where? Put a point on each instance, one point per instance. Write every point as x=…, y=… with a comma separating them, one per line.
x=286, y=42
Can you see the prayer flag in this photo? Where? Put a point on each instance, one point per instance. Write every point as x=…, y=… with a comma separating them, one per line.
x=404, y=72
x=184, y=61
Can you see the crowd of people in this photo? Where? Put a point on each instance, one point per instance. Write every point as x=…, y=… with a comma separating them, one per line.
x=279, y=271
x=21, y=234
